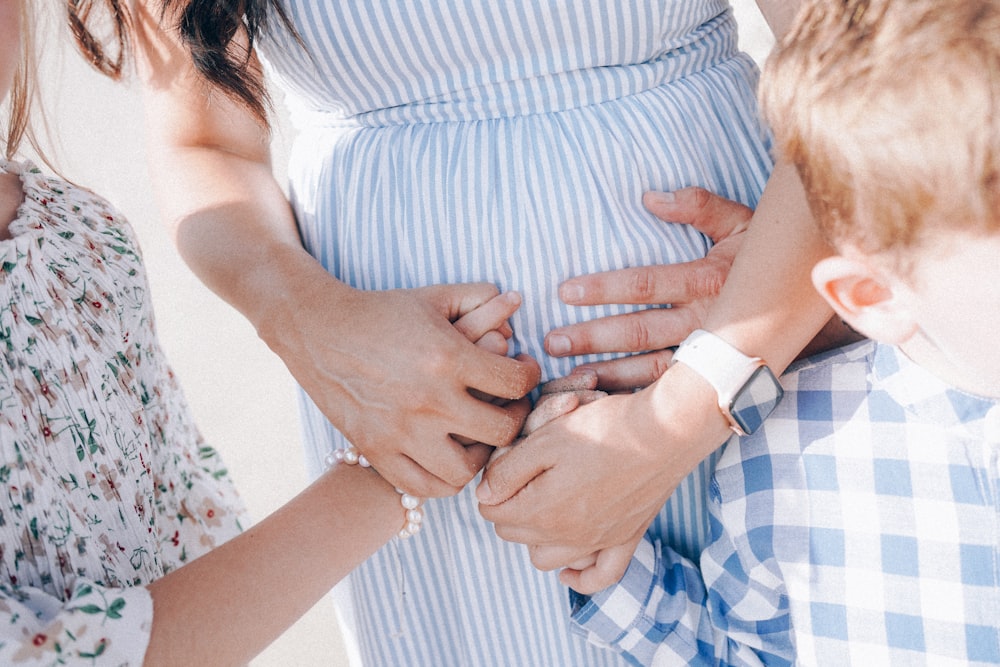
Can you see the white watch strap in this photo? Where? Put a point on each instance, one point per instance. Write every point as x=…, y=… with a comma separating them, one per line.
x=721, y=364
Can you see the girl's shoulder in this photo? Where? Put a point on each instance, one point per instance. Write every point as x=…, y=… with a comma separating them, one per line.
x=66, y=218
x=64, y=239
x=55, y=199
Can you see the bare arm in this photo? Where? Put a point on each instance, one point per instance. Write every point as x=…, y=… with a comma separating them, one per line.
x=227, y=606
x=387, y=368
x=630, y=451
x=648, y=441
x=768, y=306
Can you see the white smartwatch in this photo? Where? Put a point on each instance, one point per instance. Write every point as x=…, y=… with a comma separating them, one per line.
x=748, y=390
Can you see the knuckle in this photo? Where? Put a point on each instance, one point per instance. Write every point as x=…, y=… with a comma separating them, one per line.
x=706, y=281
x=438, y=361
x=660, y=364
x=503, y=532
x=642, y=284
x=456, y=476
x=701, y=198
x=542, y=559
x=610, y=572
x=637, y=335
x=508, y=427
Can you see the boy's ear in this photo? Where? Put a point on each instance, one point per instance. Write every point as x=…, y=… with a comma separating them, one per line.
x=865, y=297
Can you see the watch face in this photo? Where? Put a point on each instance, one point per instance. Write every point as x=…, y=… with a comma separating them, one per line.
x=756, y=400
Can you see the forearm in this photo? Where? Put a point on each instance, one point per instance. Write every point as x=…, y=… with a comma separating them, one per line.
x=664, y=611
x=768, y=307
x=227, y=606
x=235, y=229
x=209, y=158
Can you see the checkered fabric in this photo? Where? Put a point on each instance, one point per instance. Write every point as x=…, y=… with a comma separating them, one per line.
x=859, y=526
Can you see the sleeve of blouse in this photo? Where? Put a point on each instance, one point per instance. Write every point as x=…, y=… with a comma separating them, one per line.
x=95, y=625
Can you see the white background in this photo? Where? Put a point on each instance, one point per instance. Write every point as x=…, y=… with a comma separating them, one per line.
x=241, y=393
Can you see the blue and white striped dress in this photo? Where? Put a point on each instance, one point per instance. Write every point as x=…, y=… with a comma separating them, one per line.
x=473, y=140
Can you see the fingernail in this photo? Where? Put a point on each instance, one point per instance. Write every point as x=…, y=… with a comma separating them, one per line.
x=663, y=198
x=571, y=293
x=483, y=492
x=512, y=297
x=558, y=344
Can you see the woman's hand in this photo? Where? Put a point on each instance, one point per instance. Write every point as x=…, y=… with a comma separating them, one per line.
x=397, y=373
x=689, y=288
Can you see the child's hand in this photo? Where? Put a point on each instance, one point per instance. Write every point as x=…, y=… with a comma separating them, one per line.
x=487, y=325
x=488, y=328
x=559, y=397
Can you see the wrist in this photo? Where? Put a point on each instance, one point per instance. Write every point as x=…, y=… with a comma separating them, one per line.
x=687, y=405
x=290, y=286
x=746, y=390
x=360, y=502
x=412, y=518
x=682, y=410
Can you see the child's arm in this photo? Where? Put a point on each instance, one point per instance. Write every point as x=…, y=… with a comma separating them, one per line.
x=664, y=611
x=227, y=606
x=222, y=608
x=648, y=441
x=731, y=610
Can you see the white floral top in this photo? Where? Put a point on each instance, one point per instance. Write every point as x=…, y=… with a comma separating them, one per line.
x=105, y=482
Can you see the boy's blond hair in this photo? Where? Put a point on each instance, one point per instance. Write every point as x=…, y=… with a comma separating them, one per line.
x=889, y=111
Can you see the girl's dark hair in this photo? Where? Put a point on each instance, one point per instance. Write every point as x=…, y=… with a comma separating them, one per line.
x=208, y=28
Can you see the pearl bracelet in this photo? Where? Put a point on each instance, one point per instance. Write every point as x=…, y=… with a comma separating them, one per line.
x=413, y=512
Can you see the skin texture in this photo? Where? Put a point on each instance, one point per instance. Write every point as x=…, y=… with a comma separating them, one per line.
x=401, y=383
x=210, y=610
x=394, y=376
x=10, y=47
x=647, y=441
x=934, y=312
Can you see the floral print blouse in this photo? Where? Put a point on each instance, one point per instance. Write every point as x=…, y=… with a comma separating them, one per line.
x=105, y=482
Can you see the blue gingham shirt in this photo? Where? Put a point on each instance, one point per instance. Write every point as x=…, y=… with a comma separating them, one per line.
x=859, y=526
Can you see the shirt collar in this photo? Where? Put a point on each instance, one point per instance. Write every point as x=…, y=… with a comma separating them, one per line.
x=923, y=394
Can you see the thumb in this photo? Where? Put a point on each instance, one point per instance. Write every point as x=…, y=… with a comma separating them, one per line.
x=506, y=476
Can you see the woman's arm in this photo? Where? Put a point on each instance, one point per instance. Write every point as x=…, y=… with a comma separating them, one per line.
x=599, y=475
x=387, y=368
x=227, y=606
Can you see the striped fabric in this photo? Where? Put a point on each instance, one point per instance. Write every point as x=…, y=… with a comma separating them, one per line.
x=859, y=526
x=511, y=142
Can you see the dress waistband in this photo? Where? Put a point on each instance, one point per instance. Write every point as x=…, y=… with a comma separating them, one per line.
x=713, y=43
